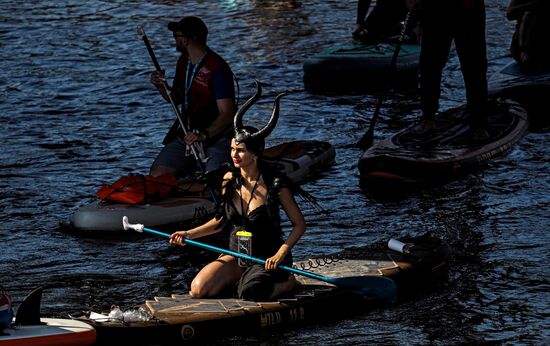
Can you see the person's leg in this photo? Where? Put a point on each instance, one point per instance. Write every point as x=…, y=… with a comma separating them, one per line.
x=539, y=36
x=256, y=283
x=215, y=277
x=472, y=53
x=173, y=159
x=259, y=284
x=435, y=45
x=514, y=45
x=280, y=288
x=526, y=31
x=362, y=10
x=385, y=18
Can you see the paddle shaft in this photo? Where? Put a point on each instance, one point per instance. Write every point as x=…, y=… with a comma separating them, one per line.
x=259, y=260
x=366, y=141
x=244, y=256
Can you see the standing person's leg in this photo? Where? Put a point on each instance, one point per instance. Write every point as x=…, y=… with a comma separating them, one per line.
x=435, y=45
x=362, y=10
x=540, y=35
x=472, y=52
x=526, y=33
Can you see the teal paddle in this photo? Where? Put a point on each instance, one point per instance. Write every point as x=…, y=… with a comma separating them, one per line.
x=378, y=287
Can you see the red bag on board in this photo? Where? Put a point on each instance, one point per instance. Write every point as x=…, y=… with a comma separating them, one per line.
x=136, y=189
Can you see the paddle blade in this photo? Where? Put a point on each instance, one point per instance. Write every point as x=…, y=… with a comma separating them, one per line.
x=368, y=138
x=366, y=141
x=378, y=287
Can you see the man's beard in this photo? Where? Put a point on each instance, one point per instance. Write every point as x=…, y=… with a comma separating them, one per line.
x=182, y=50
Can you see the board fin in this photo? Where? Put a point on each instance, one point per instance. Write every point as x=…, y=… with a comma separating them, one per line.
x=28, y=313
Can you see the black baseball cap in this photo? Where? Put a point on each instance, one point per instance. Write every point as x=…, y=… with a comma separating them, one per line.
x=191, y=27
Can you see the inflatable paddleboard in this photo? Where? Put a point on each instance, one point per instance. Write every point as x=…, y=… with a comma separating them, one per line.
x=52, y=332
x=29, y=329
x=359, y=66
x=530, y=88
x=297, y=159
x=180, y=318
x=446, y=153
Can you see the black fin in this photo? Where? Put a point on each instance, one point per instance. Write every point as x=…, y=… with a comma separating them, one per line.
x=28, y=313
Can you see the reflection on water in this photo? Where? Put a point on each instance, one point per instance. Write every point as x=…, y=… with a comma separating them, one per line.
x=78, y=111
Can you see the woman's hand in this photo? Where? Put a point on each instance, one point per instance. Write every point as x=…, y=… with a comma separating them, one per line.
x=178, y=238
x=273, y=262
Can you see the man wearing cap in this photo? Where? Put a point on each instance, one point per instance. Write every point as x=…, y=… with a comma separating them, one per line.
x=203, y=85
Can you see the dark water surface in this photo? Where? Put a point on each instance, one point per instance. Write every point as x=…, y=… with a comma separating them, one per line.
x=78, y=111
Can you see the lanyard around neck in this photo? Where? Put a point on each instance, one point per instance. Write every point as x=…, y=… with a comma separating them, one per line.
x=189, y=81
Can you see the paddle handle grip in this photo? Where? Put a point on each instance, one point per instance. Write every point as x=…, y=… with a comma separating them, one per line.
x=399, y=246
x=141, y=32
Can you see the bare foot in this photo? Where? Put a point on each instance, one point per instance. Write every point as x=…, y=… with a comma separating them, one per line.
x=286, y=286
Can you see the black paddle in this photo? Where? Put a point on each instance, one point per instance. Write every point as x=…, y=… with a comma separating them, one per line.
x=179, y=116
x=374, y=286
x=366, y=141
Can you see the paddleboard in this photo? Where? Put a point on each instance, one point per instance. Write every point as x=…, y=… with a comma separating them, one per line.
x=179, y=317
x=359, y=66
x=297, y=159
x=530, y=88
x=52, y=332
x=446, y=153
x=106, y=216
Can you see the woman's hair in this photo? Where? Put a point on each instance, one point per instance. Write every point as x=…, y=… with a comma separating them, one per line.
x=256, y=145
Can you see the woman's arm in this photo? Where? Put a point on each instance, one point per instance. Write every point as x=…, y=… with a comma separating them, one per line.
x=296, y=217
x=208, y=228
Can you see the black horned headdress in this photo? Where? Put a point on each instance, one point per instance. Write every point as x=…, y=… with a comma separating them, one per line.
x=253, y=138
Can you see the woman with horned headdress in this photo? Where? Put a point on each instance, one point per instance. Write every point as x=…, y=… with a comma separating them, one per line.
x=251, y=199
